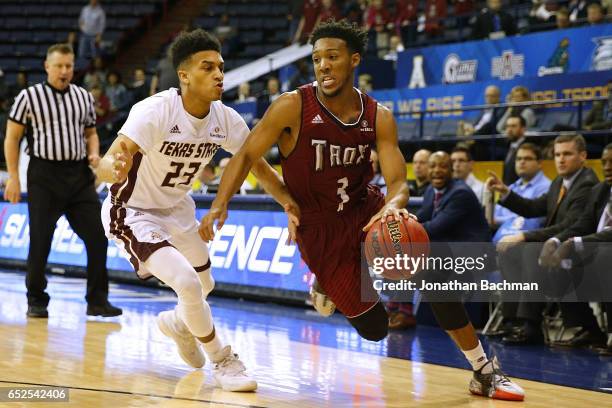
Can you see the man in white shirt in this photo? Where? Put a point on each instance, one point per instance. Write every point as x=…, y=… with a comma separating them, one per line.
x=463, y=164
x=165, y=142
x=92, y=23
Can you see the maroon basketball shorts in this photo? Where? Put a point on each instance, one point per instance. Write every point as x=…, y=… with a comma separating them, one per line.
x=331, y=247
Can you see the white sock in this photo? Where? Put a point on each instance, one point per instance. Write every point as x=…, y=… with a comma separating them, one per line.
x=477, y=357
x=212, y=347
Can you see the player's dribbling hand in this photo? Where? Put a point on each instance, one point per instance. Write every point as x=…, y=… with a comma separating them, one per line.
x=122, y=164
x=216, y=213
x=293, y=221
x=94, y=160
x=386, y=211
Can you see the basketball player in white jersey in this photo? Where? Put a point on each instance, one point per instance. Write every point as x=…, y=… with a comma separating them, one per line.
x=165, y=142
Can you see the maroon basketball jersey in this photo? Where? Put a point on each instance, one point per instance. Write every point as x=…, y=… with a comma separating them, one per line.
x=329, y=169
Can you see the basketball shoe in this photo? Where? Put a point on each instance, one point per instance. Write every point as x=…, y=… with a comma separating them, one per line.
x=230, y=373
x=320, y=301
x=188, y=347
x=491, y=382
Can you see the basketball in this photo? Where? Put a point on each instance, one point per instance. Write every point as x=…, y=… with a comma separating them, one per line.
x=391, y=238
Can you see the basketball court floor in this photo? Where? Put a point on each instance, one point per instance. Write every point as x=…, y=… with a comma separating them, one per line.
x=299, y=358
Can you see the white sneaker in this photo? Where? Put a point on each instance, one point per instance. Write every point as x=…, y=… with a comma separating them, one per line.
x=188, y=347
x=320, y=301
x=229, y=372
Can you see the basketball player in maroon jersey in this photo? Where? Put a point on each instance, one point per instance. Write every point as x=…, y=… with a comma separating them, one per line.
x=325, y=132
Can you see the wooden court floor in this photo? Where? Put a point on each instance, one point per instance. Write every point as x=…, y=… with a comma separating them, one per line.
x=127, y=363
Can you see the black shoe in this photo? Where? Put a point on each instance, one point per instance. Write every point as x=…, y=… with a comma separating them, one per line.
x=37, y=311
x=526, y=334
x=105, y=310
x=582, y=338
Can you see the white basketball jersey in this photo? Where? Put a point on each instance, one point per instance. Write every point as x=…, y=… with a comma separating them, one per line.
x=174, y=147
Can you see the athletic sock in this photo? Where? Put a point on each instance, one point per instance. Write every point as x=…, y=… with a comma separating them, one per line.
x=477, y=357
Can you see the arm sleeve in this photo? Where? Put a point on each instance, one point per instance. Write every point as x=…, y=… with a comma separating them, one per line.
x=143, y=125
x=238, y=131
x=20, y=109
x=528, y=208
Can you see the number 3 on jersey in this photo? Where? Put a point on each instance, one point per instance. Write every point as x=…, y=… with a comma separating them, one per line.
x=342, y=192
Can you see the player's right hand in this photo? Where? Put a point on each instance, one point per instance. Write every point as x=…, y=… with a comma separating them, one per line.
x=493, y=183
x=122, y=164
x=216, y=213
x=12, y=192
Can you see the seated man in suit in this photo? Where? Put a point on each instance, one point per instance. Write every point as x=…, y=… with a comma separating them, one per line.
x=451, y=211
x=532, y=183
x=592, y=228
x=561, y=206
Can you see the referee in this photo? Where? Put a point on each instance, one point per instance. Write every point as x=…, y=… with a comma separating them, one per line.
x=62, y=143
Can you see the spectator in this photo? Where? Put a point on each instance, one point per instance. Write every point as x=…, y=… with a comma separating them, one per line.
x=364, y=82
x=116, y=92
x=354, y=11
x=600, y=116
x=532, y=183
x=244, y=93
x=377, y=23
x=101, y=105
x=395, y=47
x=518, y=94
x=213, y=185
x=20, y=84
x=165, y=75
x=488, y=119
x=420, y=168
x=562, y=19
x=226, y=33
x=272, y=91
x=293, y=17
x=515, y=133
x=493, y=22
x=463, y=11
x=435, y=13
x=96, y=75
x=595, y=14
x=450, y=211
x=92, y=22
x=463, y=166
x=578, y=10
x=310, y=18
x=329, y=11
x=303, y=75
x=542, y=11
x=140, y=89
x=593, y=227
x=406, y=12
x=562, y=204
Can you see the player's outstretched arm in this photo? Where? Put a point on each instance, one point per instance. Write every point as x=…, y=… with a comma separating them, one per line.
x=117, y=161
x=277, y=118
x=392, y=166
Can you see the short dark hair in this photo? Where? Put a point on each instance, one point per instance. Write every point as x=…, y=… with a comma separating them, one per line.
x=188, y=43
x=577, y=138
x=533, y=148
x=520, y=118
x=461, y=148
x=61, y=48
x=356, y=38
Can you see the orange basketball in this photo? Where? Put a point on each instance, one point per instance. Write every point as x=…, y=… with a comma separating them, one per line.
x=391, y=238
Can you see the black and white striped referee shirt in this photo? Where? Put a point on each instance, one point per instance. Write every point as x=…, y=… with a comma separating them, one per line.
x=56, y=119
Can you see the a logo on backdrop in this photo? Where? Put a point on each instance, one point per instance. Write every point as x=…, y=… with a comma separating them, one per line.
x=508, y=65
x=558, y=61
x=456, y=71
x=417, y=78
x=602, y=56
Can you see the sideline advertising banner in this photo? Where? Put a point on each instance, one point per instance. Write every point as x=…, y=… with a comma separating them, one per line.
x=536, y=55
x=405, y=101
x=249, y=250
